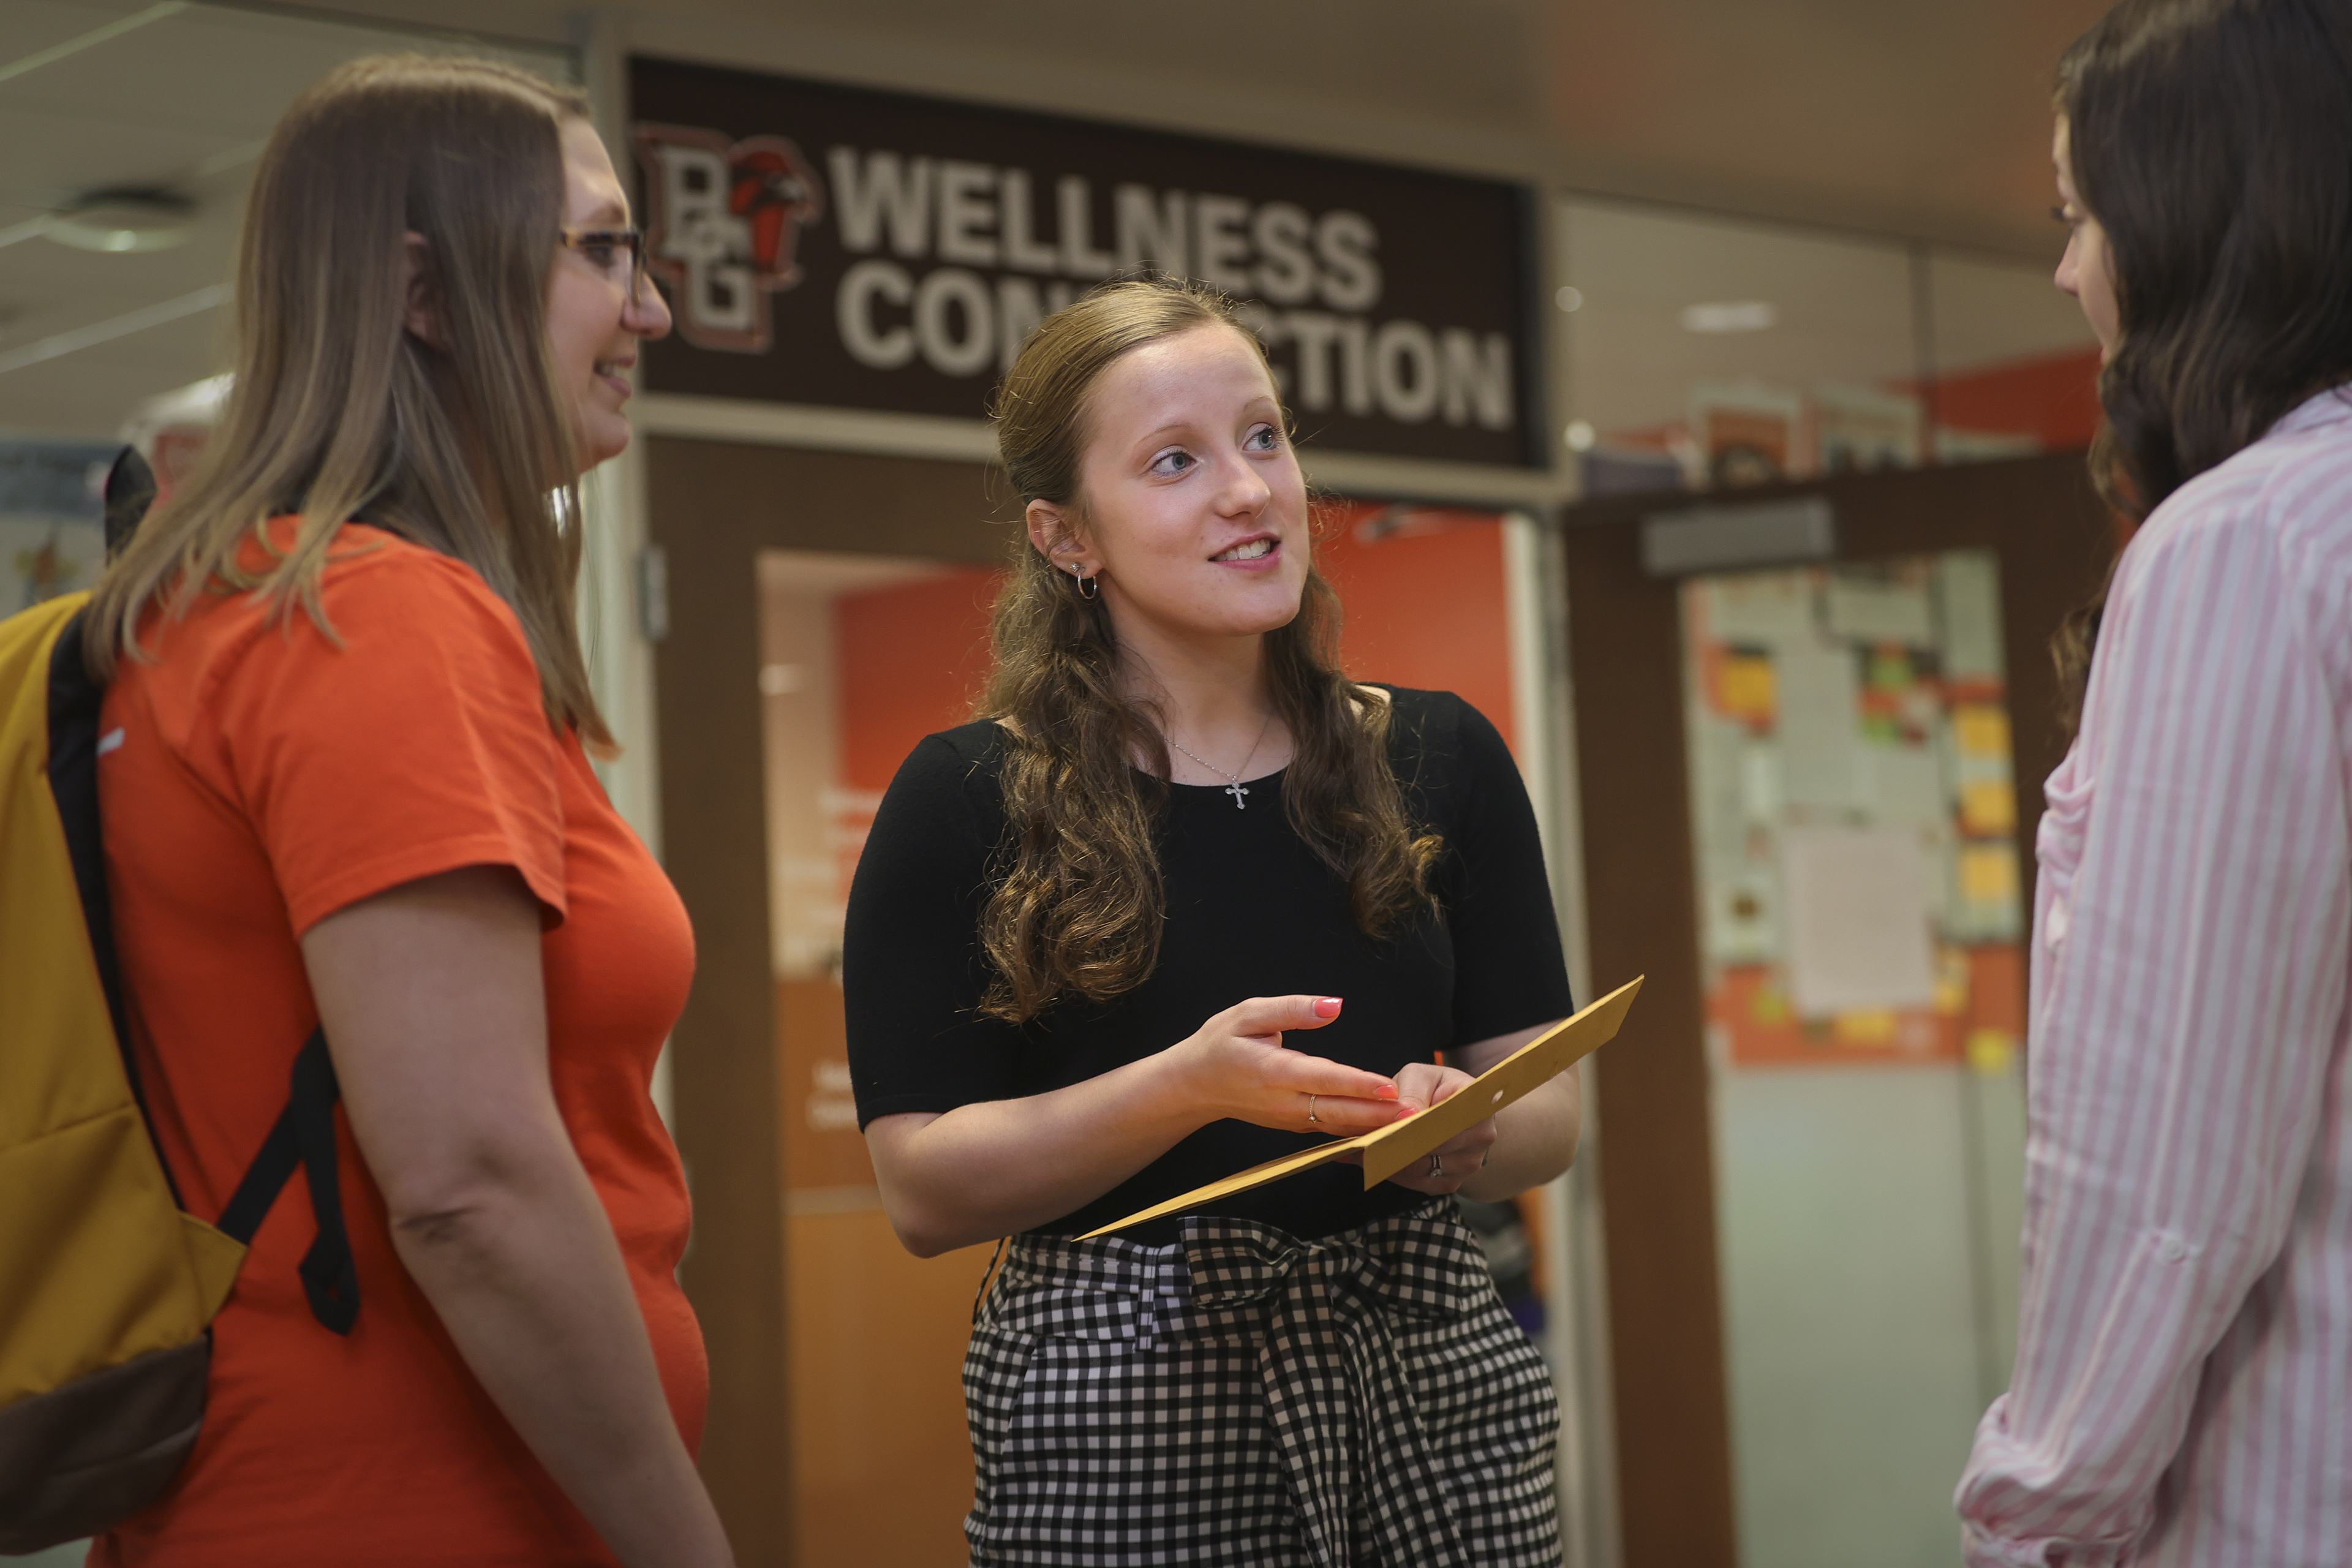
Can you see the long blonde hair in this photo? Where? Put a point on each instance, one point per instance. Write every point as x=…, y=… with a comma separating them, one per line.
x=1076, y=903
x=463, y=444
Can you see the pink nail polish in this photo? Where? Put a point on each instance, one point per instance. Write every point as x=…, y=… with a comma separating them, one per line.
x=1326, y=1006
x=1386, y=1091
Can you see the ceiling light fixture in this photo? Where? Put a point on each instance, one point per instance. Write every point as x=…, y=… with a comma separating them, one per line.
x=1729, y=315
x=124, y=220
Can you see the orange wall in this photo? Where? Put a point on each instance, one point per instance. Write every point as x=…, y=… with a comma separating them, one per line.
x=2054, y=399
x=1425, y=606
x=911, y=659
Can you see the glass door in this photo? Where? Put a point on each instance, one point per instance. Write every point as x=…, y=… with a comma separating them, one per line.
x=1853, y=823
x=1808, y=787
x=860, y=657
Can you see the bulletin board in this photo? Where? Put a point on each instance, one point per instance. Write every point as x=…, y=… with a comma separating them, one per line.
x=52, y=532
x=1853, y=817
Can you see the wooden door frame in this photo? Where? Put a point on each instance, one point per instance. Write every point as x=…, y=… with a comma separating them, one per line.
x=711, y=507
x=1671, y=1415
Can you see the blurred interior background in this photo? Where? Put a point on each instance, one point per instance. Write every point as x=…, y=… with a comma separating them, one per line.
x=1709, y=420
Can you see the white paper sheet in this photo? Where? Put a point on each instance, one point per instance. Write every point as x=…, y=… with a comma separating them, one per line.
x=1855, y=906
x=1905, y=784
x=1760, y=609
x=1819, y=728
x=1872, y=612
x=1719, y=807
x=1969, y=584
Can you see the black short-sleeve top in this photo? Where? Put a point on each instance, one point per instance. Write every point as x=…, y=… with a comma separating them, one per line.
x=1250, y=912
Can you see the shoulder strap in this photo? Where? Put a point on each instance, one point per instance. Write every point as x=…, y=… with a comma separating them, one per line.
x=305, y=1136
x=304, y=1133
x=74, y=701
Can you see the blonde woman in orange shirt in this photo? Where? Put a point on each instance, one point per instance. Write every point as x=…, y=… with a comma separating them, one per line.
x=349, y=793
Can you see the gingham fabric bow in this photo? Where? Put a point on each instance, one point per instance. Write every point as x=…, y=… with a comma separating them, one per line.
x=1343, y=1410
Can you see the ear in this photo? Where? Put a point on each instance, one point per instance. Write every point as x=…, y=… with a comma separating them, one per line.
x=1054, y=534
x=420, y=310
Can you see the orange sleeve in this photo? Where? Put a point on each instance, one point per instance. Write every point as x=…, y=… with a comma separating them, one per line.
x=412, y=742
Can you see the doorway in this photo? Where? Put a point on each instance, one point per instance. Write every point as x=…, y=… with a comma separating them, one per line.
x=826, y=610
x=756, y=1094
x=1808, y=791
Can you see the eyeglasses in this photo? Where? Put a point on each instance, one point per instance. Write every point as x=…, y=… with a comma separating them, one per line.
x=602, y=247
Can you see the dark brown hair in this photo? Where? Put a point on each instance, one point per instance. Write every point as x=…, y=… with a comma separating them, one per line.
x=1076, y=904
x=2212, y=142
x=336, y=408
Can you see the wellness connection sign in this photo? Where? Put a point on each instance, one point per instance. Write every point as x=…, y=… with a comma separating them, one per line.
x=832, y=245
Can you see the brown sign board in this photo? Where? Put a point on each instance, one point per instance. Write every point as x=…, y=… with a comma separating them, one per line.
x=836, y=246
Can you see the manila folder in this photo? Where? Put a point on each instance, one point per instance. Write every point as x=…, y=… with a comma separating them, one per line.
x=1392, y=1148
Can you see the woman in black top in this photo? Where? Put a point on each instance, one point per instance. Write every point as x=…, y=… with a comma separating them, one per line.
x=1085, y=936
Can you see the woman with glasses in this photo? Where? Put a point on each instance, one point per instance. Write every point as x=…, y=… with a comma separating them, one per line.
x=2184, y=1345
x=347, y=786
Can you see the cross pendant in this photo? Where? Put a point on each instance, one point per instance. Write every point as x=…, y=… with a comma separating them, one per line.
x=1237, y=789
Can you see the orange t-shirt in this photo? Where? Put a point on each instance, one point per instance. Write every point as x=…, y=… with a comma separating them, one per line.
x=263, y=778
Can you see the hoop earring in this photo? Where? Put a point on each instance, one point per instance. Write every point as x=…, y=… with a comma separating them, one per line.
x=1088, y=587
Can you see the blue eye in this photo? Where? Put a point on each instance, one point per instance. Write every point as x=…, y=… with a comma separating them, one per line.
x=1265, y=438
x=1175, y=460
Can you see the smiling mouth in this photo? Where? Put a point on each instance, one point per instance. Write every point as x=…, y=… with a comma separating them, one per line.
x=615, y=368
x=1254, y=550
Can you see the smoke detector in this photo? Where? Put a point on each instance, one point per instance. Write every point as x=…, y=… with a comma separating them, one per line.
x=124, y=220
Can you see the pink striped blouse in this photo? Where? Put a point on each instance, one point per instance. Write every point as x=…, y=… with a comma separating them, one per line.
x=2183, y=1387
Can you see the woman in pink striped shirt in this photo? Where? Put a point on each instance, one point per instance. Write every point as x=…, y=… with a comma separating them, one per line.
x=2183, y=1386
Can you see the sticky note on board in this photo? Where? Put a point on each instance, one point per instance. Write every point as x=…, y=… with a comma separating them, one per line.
x=1400, y=1144
x=1988, y=874
x=1744, y=686
x=1981, y=731
x=1865, y=1026
x=1991, y=1051
x=1988, y=808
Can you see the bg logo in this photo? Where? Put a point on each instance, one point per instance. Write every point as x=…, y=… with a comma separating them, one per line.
x=723, y=223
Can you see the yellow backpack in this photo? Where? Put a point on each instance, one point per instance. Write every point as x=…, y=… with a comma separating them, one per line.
x=108, y=1285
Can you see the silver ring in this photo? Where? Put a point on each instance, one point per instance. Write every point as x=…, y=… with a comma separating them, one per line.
x=1437, y=1166
x=1311, y=1118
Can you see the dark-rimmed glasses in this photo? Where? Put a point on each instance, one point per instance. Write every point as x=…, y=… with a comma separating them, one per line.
x=602, y=247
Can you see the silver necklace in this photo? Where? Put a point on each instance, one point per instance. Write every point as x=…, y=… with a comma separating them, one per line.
x=1233, y=786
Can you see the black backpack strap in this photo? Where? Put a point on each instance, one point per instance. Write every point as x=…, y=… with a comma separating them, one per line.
x=75, y=702
x=305, y=1136
x=304, y=1133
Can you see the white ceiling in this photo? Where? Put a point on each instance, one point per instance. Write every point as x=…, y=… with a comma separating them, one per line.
x=183, y=96
x=1923, y=117
x=1846, y=310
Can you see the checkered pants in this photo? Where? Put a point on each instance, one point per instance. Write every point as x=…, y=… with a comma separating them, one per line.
x=1243, y=1396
